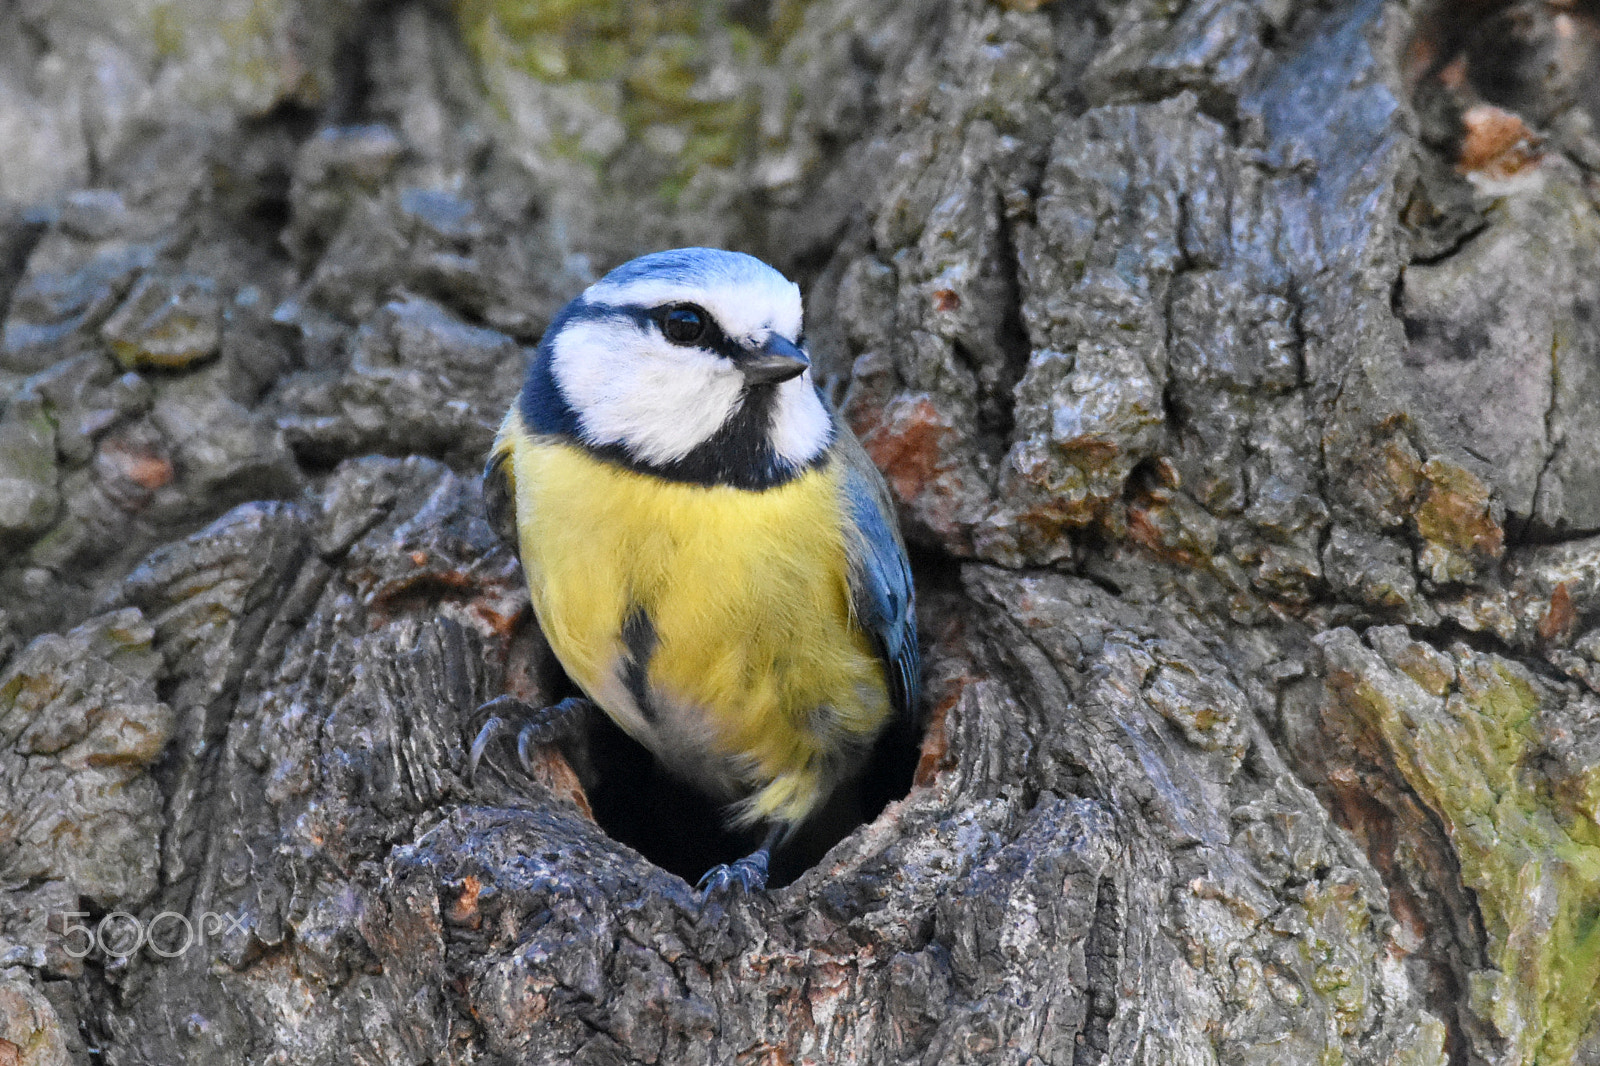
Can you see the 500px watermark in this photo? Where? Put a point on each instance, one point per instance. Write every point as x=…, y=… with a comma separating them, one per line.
x=120, y=934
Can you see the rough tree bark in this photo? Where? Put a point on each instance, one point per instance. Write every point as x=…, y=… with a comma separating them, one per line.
x=1236, y=365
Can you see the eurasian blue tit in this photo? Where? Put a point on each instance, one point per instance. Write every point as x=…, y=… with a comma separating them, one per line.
x=710, y=553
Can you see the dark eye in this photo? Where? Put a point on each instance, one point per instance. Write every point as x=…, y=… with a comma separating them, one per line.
x=684, y=324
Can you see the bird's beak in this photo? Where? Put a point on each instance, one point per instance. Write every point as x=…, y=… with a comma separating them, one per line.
x=776, y=360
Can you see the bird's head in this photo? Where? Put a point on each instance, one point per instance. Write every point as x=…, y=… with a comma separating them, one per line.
x=687, y=363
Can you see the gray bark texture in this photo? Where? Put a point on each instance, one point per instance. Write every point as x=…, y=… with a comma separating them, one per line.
x=1235, y=365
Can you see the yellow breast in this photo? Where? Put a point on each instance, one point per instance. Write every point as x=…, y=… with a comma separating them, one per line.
x=760, y=679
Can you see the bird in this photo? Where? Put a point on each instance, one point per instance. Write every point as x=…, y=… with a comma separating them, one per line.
x=710, y=553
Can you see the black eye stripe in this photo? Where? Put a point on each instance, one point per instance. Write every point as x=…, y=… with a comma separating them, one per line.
x=711, y=339
x=651, y=319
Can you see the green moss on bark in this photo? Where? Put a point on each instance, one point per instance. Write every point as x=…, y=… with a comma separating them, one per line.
x=1470, y=754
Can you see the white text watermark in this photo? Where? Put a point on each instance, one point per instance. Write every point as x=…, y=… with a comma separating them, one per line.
x=119, y=934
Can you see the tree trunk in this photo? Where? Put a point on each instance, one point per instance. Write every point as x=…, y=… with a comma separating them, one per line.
x=1236, y=366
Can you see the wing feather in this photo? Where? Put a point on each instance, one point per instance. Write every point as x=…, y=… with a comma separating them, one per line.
x=880, y=576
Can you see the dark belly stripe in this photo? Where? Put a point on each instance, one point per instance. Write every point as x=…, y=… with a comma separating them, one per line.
x=639, y=637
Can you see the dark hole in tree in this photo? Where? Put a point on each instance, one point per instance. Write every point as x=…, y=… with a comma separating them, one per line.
x=677, y=827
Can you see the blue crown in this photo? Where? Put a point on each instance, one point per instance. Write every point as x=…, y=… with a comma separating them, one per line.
x=688, y=266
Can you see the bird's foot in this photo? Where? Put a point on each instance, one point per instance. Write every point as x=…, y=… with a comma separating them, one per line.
x=539, y=726
x=745, y=875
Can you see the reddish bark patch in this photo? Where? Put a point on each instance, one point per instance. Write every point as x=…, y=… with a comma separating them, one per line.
x=935, y=758
x=1453, y=75
x=764, y=1054
x=946, y=300
x=907, y=444
x=494, y=620
x=464, y=908
x=1557, y=621
x=951, y=671
x=149, y=470
x=1497, y=144
x=552, y=770
x=414, y=592
x=1153, y=526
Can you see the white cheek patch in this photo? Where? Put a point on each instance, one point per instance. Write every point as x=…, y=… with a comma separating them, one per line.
x=800, y=423
x=632, y=388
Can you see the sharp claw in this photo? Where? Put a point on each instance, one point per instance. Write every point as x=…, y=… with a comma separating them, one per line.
x=540, y=726
x=480, y=744
x=713, y=883
x=748, y=873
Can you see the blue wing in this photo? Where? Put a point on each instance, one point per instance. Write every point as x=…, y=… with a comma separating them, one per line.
x=880, y=576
